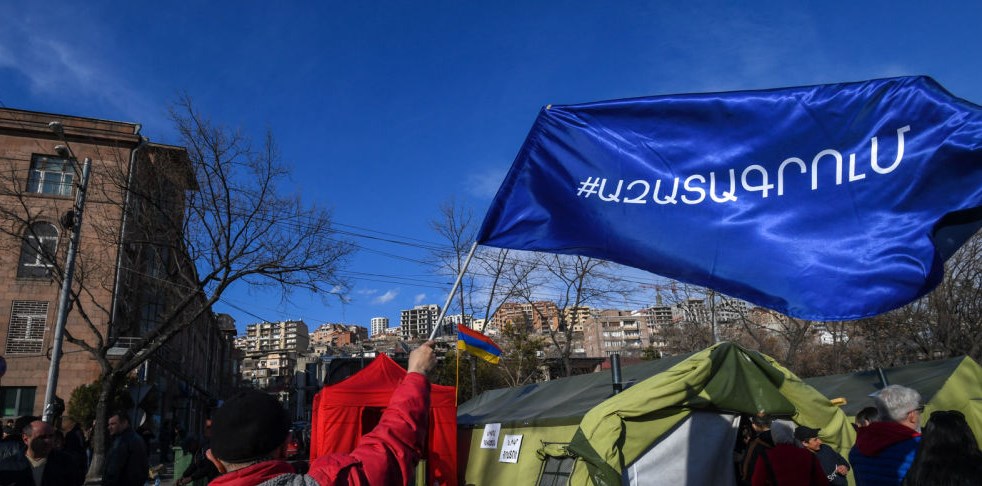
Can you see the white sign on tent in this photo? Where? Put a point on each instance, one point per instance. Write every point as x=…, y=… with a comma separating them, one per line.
x=490, y=438
x=510, y=448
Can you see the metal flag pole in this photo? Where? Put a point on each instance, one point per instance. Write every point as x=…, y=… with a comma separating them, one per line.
x=460, y=276
x=64, y=297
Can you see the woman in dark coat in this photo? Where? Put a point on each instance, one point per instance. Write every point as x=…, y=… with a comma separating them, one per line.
x=948, y=455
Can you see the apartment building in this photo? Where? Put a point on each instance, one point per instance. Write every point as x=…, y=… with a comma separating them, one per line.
x=538, y=317
x=615, y=332
x=379, y=325
x=275, y=336
x=270, y=353
x=418, y=322
x=338, y=335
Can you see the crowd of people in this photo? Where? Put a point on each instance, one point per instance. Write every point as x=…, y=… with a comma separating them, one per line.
x=246, y=443
x=890, y=449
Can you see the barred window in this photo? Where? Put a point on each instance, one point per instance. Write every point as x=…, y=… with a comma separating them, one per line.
x=40, y=243
x=28, y=320
x=51, y=175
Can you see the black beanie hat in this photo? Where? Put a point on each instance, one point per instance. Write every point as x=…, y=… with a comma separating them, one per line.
x=248, y=426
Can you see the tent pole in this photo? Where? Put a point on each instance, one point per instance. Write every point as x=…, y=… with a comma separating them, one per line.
x=453, y=290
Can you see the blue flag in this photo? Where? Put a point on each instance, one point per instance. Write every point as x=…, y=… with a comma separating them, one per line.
x=827, y=202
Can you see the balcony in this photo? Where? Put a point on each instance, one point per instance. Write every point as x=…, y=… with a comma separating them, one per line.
x=122, y=346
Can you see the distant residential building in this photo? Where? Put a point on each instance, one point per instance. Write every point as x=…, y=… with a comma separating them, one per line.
x=392, y=331
x=576, y=316
x=479, y=324
x=418, y=322
x=271, y=350
x=536, y=316
x=656, y=319
x=275, y=336
x=828, y=336
x=339, y=334
x=615, y=332
x=270, y=370
x=702, y=310
x=379, y=325
x=452, y=321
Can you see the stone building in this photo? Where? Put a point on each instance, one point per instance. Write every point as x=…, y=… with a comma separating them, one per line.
x=119, y=267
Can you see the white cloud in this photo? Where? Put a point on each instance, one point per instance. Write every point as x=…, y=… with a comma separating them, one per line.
x=366, y=291
x=419, y=299
x=485, y=183
x=67, y=65
x=386, y=297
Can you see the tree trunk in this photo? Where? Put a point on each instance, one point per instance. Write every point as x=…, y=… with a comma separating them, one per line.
x=99, y=440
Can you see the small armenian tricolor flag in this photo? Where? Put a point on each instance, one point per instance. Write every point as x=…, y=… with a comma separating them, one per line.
x=478, y=344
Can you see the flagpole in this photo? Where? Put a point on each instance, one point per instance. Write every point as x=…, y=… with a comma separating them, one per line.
x=456, y=388
x=460, y=276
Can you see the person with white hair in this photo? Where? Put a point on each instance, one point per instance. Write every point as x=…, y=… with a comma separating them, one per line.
x=885, y=449
x=786, y=463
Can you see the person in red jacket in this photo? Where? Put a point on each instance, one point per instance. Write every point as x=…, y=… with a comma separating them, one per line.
x=786, y=464
x=250, y=433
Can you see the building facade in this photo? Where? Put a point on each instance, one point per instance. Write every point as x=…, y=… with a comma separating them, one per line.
x=271, y=351
x=338, y=335
x=538, y=317
x=275, y=336
x=116, y=264
x=379, y=325
x=418, y=322
x=611, y=332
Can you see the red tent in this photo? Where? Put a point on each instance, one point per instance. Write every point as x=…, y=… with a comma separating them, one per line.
x=345, y=411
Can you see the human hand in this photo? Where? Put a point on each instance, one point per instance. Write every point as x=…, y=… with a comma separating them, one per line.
x=422, y=359
x=842, y=470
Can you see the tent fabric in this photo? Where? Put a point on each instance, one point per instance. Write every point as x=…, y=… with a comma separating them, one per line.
x=949, y=384
x=616, y=433
x=562, y=401
x=681, y=457
x=345, y=411
x=544, y=414
x=724, y=377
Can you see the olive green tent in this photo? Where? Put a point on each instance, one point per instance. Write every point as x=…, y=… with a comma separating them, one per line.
x=949, y=384
x=675, y=425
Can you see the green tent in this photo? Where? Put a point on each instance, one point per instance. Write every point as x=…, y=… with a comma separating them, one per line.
x=675, y=425
x=950, y=384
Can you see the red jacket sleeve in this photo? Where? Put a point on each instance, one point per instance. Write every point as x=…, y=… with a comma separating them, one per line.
x=389, y=453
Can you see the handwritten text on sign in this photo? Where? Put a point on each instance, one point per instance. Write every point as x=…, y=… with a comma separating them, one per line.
x=509, y=450
x=490, y=438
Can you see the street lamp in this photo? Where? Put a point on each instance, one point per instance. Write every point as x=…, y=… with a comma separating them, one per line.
x=66, y=284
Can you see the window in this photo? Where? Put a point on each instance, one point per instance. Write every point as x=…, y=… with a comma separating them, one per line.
x=17, y=401
x=556, y=471
x=27, y=322
x=38, y=248
x=51, y=175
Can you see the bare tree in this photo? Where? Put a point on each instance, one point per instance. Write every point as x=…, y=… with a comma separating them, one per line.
x=573, y=283
x=490, y=280
x=455, y=226
x=521, y=362
x=193, y=223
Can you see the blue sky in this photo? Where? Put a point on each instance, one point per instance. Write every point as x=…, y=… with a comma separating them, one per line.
x=385, y=110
